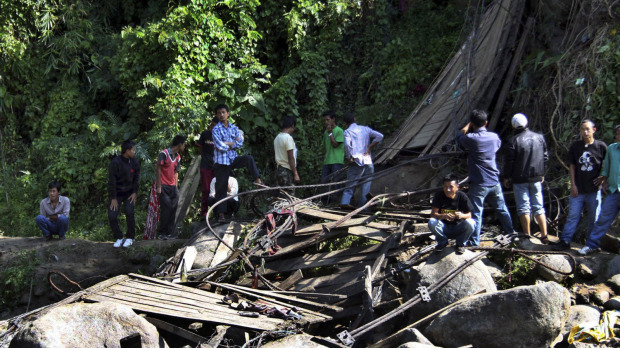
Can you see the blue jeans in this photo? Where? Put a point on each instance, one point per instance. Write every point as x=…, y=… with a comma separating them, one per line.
x=329, y=169
x=48, y=227
x=609, y=211
x=460, y=231
x=354, y=174
x=477, y=194
x=529, y=198
x=592, y=202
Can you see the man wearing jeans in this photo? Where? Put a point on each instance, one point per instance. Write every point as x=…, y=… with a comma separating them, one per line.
x=526, y=155
x=610, y=179
x=333, y=141
x=53, y=215
x=585, y=158
x=357, y=145
x=123, y=184
x=451, y=216
x=481, y=145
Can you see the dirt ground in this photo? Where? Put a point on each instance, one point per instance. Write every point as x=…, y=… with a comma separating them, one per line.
x=84, y=262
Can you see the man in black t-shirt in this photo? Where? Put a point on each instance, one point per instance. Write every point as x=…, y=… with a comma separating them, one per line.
x=206, y=164
x=451, y=216
x=585, y=158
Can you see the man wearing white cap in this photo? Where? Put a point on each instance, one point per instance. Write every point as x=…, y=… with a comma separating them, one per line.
x=525, y=168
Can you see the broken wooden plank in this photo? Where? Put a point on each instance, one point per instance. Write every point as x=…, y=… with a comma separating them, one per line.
x=316, y=296
x=215, y=341
x=351, y=255
x=291, y=280
x=222, y=251
x=275, y=298
x=189, y=186
x=177, y=331
x=368, y=232
x=319, y=227
x=330, y=216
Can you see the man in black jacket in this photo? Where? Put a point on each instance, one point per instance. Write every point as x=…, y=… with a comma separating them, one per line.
x=123, y=183
x=525, y=168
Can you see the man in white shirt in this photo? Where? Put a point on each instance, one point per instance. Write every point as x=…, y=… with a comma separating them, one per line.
x=54, y=213
x=286, y=153
x=232, y=205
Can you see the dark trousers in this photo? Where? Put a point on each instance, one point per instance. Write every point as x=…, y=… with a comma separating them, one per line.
x=222, y=172
x=206, y=175
x=168, y=202
x=123, y=200
x=231, y=205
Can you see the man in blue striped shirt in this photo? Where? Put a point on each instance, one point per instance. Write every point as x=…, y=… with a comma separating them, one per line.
x=227, y=138
x=357, y=145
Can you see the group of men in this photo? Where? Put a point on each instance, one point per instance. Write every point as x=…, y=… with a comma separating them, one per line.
x=454, y=214
x=593, y=167
x=352, y=145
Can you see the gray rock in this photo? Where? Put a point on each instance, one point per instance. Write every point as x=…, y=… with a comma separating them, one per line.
x=87, y=325
x=558, y=262
x=473, y=279
x=613, y=304
x=600, y=297
x=415, y=336
x=585, y=272
x=614, y=283
x=525, y=316
x=581, y=315
x=294, y=341
x=495, y=270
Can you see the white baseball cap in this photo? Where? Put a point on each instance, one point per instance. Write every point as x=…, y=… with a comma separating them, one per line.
x=519, y=121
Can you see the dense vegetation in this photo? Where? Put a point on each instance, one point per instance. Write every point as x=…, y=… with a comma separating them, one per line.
x=77, y=77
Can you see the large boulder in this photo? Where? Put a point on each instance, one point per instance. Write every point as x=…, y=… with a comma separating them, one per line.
x=581, y=315
x=559, y=262
x=471, y=280
x=526, y=316
x=85, y=325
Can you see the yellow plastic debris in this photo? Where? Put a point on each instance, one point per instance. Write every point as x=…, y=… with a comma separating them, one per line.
x=603, y=331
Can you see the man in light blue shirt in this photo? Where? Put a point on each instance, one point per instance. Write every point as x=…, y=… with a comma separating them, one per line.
x=54, y=213
x=357, y=145
x=610, y=179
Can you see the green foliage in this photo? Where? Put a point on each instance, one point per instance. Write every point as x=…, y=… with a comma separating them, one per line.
x=16, y=278
x=518, y=271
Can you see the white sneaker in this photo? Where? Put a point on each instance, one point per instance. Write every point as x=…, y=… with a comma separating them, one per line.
x=586, y=250
x=128, y=243
x=118, y=243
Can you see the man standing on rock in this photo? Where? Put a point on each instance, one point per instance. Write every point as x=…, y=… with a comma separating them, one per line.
x=358, y=141
x=585, y=158
x=481, y=146
x=610, y=180
x=526, y=155
x=227, y=138
x=167, y=181
x=53, y=215
x=451, y=216
x=123, y=184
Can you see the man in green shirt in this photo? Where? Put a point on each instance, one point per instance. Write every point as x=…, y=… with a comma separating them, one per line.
x=610, y=179
x=333, y=140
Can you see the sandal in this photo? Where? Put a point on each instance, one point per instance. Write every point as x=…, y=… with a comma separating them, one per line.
x=544, y=240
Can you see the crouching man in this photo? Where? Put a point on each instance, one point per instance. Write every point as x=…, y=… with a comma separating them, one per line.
x=451, y=216
x=54, y=213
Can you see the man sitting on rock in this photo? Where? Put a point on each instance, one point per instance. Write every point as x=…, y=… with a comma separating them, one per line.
x=54, y=213
x=451, y=216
